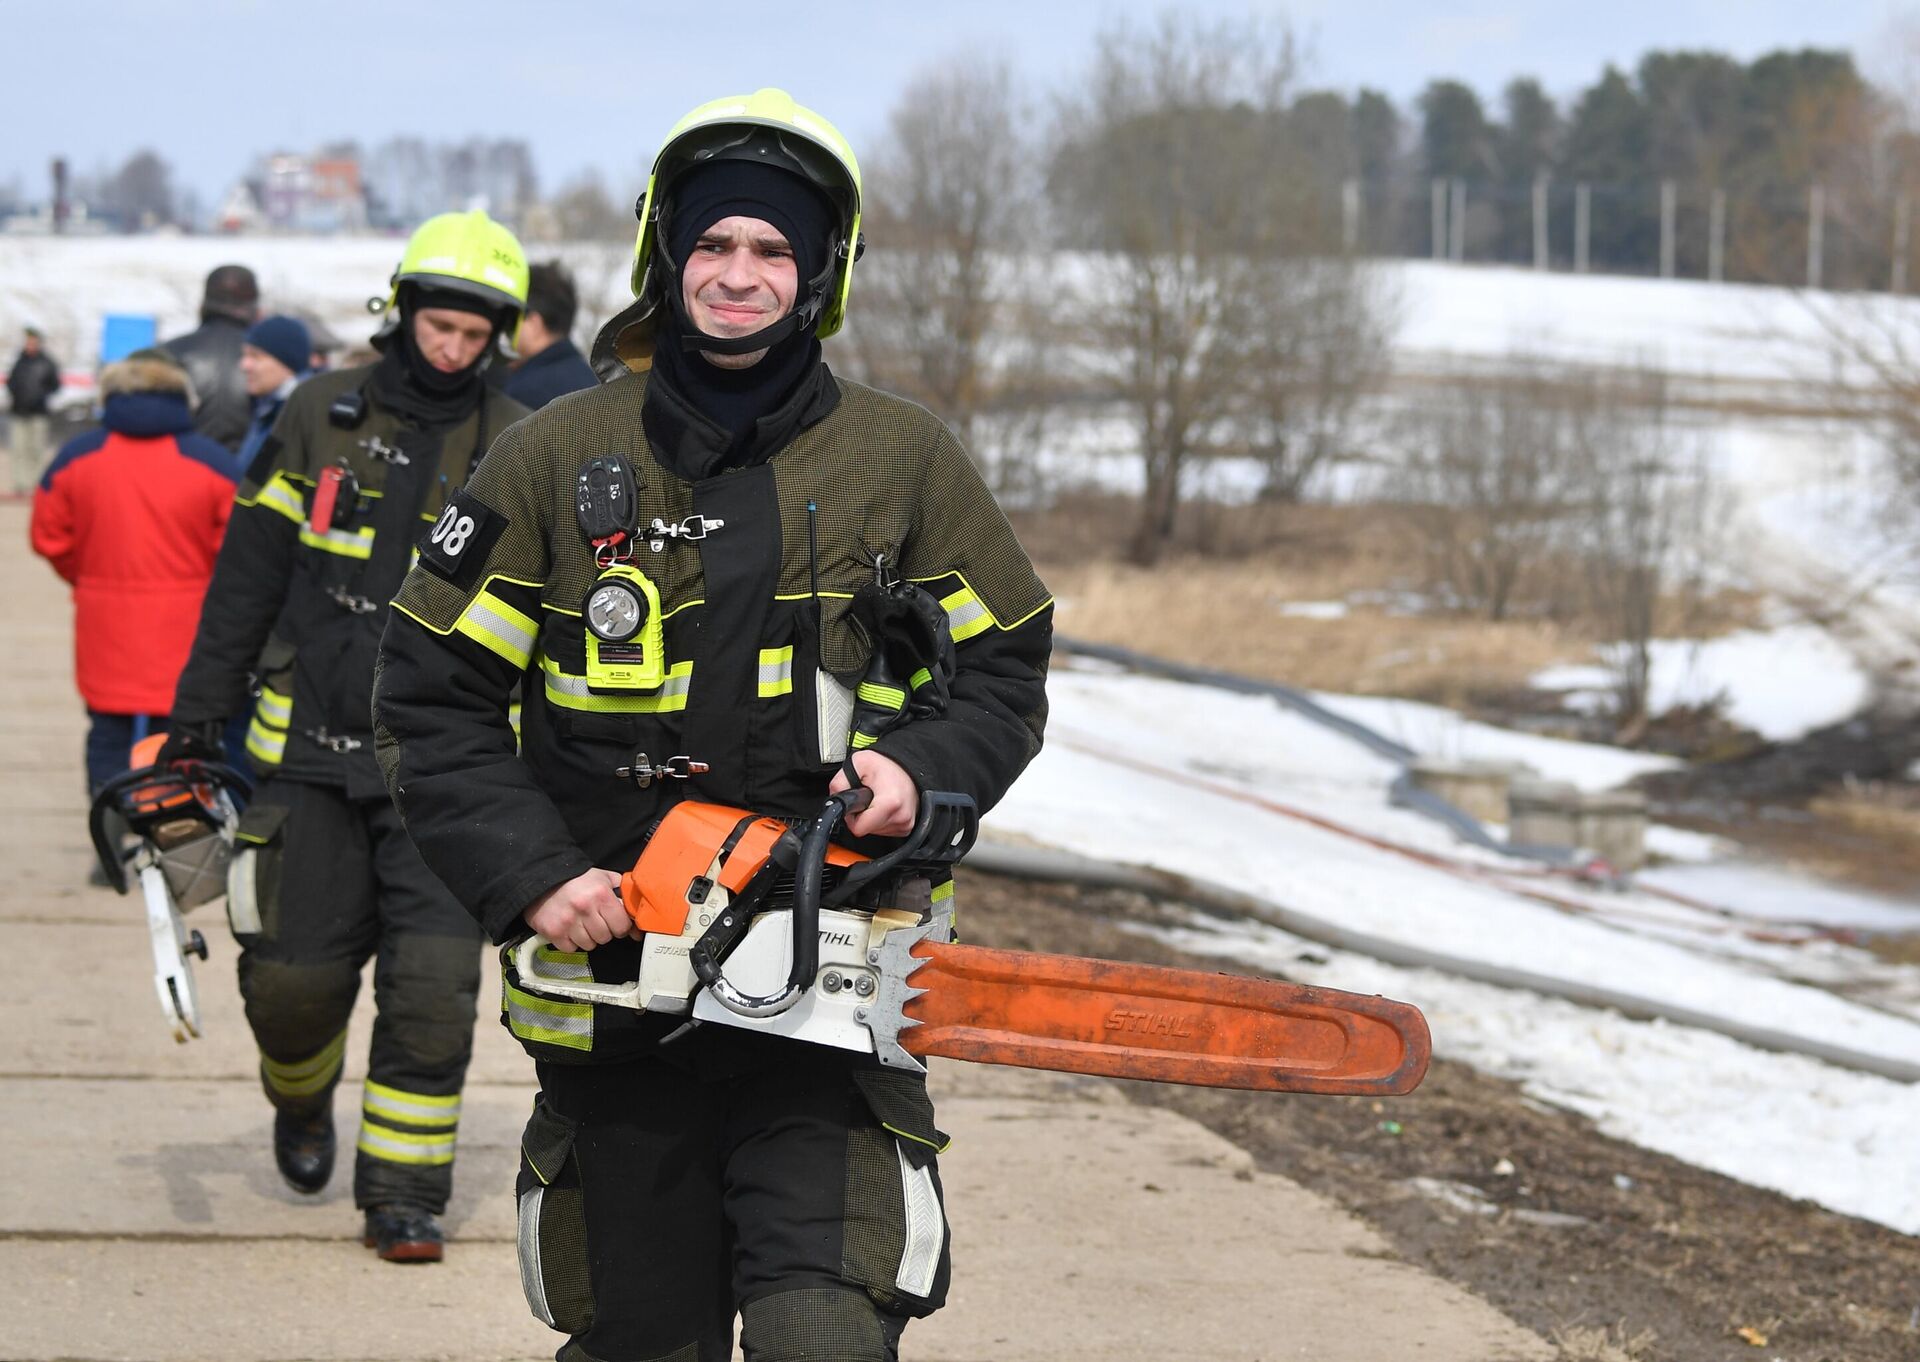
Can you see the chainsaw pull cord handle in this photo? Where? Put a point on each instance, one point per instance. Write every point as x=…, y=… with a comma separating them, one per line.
x=807, y=879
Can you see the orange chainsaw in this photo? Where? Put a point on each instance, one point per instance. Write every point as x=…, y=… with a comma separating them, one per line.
x=754, y=922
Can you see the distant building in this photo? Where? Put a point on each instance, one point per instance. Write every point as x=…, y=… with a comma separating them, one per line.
x=290, y=192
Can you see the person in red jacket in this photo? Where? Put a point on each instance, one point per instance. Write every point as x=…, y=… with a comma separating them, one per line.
x=131, y=515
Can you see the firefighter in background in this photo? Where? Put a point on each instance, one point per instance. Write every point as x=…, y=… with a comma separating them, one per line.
x=665, y=1188
x=323, y=529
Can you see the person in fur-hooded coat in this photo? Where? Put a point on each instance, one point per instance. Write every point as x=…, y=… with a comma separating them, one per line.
x=131, y=516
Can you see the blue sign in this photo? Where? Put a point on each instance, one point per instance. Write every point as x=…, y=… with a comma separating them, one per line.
x=121, y=333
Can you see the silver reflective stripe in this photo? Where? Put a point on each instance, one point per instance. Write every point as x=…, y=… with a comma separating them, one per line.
x=531, y=1280
x=776, y=671
x=575, y=966
x=679, y=681
x=834, y=703
x=523, y=1015
x=514, y=638
x=243, y=904
x=926, y=1229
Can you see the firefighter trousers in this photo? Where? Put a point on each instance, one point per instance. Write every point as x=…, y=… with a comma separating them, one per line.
x=335, y=882
x=801, y=1195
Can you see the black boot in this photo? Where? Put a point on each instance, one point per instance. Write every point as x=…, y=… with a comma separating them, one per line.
x=303, y=1147
x=403, y=1233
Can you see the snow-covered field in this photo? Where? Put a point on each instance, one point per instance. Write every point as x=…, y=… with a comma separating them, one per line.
x=1140, y=771
x=1207, y=778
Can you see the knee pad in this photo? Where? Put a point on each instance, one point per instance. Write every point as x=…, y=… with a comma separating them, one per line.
x=427, y=988
x=295, y=1009
x=814, y=1322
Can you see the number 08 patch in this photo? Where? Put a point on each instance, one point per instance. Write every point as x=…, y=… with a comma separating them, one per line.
x=457, y=545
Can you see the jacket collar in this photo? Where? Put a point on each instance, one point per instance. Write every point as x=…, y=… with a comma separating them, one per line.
x=145, y=416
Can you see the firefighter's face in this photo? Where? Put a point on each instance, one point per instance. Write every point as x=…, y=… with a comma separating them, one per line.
x=450, y=339
x=740, y=278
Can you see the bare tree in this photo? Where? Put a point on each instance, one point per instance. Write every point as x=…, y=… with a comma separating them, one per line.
x=952, y=203
x=1485, y=478
x=1177, y=171
x=1644, y=529
x=140, y=193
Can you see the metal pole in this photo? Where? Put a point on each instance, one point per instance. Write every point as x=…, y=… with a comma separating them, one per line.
x=1540, y=221
x=1666, y=228
x=1439, y=219
x=1350, y=214
x=1717, y=237
x=1457, y=238
x=1900, y=230
x=1582, y=226
x=1816, y=232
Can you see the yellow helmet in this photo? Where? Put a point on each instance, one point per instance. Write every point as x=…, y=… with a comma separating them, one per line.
x=769, y=127
x=467, y=253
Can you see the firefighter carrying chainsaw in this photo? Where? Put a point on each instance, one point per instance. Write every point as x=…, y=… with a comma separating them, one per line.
x=683, y=568
x=751, y=606
x=359, y=464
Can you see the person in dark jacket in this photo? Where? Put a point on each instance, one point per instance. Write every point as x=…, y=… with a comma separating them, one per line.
x=131, y=516
x=277, y=354
x=31, y=384
x=668, y=1184
x=550, y=365
x=211, y=354
x=360, y=461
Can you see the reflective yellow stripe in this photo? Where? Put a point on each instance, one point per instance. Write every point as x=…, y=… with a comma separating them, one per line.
x=499, y=628
x=966, y=616
x=942, y=891
x=403, y=1146
x=304, y=1077
x=282, y=496
x=571, y=692
x=347, y=543
x=513, y=717
x=776, y=671
x=546, y=1021
x=887, y=697
x=414, y=1108
x=275, y=710
x=921, y=678
x=861, y=741
x=550, y=962
x=266, y=745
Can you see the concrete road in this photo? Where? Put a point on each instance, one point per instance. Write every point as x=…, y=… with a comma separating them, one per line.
x=142, y=1217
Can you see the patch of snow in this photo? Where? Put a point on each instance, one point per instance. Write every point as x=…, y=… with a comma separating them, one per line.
x=1678, y=844
x=1314, y=610
x=1781, y=683
x=1796, y=1125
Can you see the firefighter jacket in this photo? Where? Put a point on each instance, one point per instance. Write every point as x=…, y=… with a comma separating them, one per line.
x=322, y=533
x=756, y=659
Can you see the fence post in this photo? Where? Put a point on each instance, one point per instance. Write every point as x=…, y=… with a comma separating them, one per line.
x=1439, y=219
x=1717, y=237
x=1582, y=226
x=1667, y=197
x=1900, y=229
x=1457, y=237
x=1816, y=232
x=1350, y=215
x=1540, y=221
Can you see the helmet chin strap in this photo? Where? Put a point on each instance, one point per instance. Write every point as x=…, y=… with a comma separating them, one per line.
x=696, y=340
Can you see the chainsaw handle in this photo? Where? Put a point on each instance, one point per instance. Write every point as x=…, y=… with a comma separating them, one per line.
x=807, y=878
x=186, y=774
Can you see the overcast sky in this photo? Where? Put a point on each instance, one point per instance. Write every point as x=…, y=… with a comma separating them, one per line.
x=212, y=83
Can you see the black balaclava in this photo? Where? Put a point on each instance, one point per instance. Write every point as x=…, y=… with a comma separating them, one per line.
x=406, y=380
x=734, y=399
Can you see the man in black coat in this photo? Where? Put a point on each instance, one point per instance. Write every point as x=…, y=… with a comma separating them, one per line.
x=31, y=384
x=549, y=365
x=211, y=354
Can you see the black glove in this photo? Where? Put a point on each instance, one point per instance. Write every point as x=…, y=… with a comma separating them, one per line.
x=199, y=741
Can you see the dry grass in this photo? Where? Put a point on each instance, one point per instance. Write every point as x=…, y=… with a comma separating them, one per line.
x=1873, y=810
x=1580, y=1343
x=1218, y=599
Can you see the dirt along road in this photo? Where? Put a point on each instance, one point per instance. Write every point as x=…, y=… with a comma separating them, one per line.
x=143, y=1218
